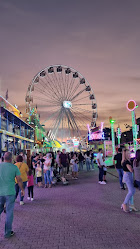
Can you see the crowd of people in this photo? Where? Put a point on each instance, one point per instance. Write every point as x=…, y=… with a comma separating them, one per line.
x=46, y=170
x=55, y=167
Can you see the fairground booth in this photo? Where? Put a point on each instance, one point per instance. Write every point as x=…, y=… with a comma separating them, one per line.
x=15, y=134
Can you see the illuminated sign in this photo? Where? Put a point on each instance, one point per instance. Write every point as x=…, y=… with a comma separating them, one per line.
x=96, y=136
x=75, y=142
x=131, y=105
x=96, y=133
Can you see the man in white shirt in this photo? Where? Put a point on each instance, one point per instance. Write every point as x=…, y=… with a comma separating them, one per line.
x=100, y=166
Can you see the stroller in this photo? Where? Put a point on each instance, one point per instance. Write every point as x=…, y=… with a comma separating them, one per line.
x=58, y=178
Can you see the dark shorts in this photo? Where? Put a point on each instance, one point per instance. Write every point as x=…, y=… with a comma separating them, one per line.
x=64, y=165
x=104, y=173
x=39, y=179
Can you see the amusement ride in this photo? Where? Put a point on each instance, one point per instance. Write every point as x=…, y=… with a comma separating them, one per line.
x=65, y=101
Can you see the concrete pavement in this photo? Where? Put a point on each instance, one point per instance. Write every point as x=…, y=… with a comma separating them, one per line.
x=82, y=215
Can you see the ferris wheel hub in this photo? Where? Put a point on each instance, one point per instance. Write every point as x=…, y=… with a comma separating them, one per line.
x=67, y=104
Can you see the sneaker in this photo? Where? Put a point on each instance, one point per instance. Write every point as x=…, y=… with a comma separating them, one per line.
x=28, y=198
x=103, y=182
x=32, y=199
x=8, y=236
x=21, y=203
x=99, y=182
x=65, y=183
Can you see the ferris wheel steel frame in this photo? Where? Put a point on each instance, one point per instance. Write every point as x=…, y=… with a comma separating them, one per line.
x=56, y=86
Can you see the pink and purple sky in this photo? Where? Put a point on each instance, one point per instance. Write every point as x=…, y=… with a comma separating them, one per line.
x=99, y=38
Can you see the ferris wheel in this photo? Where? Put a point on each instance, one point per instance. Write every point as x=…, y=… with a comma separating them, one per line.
x=65, y=101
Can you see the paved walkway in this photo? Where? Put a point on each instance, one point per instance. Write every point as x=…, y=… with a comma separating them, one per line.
x=82, y=215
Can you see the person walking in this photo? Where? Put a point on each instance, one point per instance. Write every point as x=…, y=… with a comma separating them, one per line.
x=100, y=163
x=136, y=167
x=58, y=161
x=47, y=169
x=39, y=174
x=8, y=172
x=81, y=159
x=23, y=168
x=92, y=158
x=63, y=163
x=87, y=157
x=30, y=185
x=118, y=166
x=128, y=179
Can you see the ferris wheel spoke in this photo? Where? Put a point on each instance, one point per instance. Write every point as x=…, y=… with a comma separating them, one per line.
x=52, y=124
x=45, y=84
x=73, y=119
x=83, y=110
x=69, y=120
x=58, y=122
x=50, y=117
x=52, y=98
x=81, y=98
x=48, y=85
x=63, y=85
x=75, y=96
x=46, y=101
x=82, y=113
x=81, y=123
x=54, y=85
x=74, y=90
x=58, y=84
x=69, y=128
x=58, y=125
x=70, y=87
x=81, y=104
x=46, y=94
x=83, y=117
x=67, y=83
x=51, y=87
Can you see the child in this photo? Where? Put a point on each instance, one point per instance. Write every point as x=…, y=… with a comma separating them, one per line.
x=72, y=161
x=30, y=185
x=39, y=174
x=75, y=169
x=47, y=169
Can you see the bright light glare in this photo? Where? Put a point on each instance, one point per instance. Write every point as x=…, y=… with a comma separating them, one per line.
x=67, y=104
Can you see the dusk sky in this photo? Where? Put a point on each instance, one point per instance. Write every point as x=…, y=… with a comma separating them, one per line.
x=99, y=38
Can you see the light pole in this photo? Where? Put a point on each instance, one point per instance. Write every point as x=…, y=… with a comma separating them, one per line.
x=131, y=106
x=112, y=135
x=119, y=136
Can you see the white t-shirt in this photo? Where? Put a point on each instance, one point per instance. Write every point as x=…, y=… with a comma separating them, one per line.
x=57, y=159
x=72, y=162
x=47, y=164
x=100, y=157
